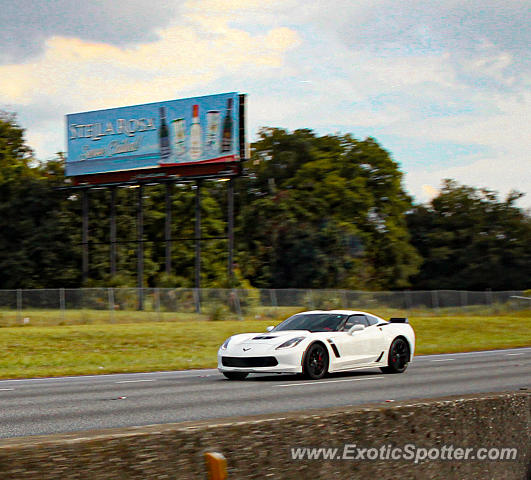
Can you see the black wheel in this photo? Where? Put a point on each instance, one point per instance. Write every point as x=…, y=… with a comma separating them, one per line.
x=315, y=364
x=235, y=375
x=398, y=357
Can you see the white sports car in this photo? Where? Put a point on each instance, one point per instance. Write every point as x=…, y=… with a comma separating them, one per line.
x=317, y=342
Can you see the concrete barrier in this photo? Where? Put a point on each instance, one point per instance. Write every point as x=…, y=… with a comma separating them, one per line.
x=260, y=447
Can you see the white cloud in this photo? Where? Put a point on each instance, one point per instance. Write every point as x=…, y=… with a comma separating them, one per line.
x=94, y=75
x=504, y=123
x=188, y=56
x=445, y=73
x=502, y=173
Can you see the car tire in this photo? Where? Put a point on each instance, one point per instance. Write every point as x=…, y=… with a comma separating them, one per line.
x=315, y=363
x=398, y=357
x=235, y=375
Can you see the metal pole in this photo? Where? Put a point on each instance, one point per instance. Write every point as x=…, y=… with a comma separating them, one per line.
x=113, y=231
x=85, y=235
x=140, y=256
x=435, y=300
x=157, y=303
x=273, y=295
x=110, y=292
x=198, y=244
x=488, y=298
x=167, y=230
x=463, y=295
x=62, y=303
x=198, y=235
x=19, y=305
x=231, y=232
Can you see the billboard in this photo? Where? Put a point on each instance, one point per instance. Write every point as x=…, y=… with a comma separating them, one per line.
x=155, y=137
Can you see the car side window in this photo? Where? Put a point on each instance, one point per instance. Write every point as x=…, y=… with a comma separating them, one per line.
x=372, y=320
x=355, y=320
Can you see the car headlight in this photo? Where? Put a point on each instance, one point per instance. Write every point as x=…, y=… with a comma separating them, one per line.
x=225, y=344
x=291, y=343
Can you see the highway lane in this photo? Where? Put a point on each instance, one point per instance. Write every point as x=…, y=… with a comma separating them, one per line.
x=54, y=405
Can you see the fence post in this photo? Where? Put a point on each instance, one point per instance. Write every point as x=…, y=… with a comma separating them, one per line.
x=407, y=300
x=435, y=300
x=62, y=303
x=236, y=299
x=19, y=305
x=197, y=300
x=110, y=293
x=489, y=296
x=310, y=297
x=157, y=303
x=273, y=295
x=464, y=298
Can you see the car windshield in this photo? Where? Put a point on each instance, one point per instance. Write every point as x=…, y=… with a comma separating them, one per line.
x=313, y=322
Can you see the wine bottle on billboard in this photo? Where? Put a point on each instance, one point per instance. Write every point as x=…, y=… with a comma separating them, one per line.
x=195, y=135
x=226, y=134
x=164, y=136
x=179, y=135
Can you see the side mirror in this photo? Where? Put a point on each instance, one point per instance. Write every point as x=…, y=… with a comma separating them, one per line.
x=269, y=328
x=356, y=328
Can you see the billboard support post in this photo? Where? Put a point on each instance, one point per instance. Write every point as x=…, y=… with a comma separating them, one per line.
x=113, y=231
x=167, y=229
x=198, y=242
x=85, y=234
x=230, y=232
x=140, y=235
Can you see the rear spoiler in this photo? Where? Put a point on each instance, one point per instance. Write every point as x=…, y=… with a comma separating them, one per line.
x=399, y=320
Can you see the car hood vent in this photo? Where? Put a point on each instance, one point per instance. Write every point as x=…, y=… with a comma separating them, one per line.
x=262, y=337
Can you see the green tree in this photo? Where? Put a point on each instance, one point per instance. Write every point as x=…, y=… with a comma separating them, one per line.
x=324, y=212
x=34, y=225
x=15, y=155
x=472, y=240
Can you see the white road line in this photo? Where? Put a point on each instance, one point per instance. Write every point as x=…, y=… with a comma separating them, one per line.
x=327, y=381
x=134, y=381
x=513, y=354
x=474, y=353
x=444, y=360
x=6, y=389
x=103, y=376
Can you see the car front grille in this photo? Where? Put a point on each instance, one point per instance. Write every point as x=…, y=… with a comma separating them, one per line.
x=249, y=362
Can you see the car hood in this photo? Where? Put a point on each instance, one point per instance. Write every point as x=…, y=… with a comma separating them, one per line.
x=271, y=338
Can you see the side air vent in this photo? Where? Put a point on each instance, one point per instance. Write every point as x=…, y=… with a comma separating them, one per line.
x=334, y=347
x=399, y=320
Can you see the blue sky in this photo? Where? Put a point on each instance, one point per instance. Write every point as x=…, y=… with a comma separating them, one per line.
x=444, y=86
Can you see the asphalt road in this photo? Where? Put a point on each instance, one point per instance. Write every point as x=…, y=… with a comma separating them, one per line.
x=53, y=405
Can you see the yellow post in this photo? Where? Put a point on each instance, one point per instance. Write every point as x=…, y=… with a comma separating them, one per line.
x=216, y=466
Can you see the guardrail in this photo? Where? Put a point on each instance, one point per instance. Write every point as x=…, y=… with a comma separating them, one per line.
x=264, y=446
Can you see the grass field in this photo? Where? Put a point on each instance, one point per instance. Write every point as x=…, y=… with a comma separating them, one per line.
x=218, y=311
x=36, y=351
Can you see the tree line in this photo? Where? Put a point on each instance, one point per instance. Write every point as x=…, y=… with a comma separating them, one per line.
x=311, y=212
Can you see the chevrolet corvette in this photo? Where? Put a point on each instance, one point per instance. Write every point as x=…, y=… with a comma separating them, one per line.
x=319, y=342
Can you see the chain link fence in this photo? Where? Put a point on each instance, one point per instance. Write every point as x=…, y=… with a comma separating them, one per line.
x=121, y=305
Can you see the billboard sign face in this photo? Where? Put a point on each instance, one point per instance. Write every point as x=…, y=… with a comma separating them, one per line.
x=186, y=132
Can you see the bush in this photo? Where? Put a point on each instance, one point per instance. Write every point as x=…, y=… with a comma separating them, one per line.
x=217, y=312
